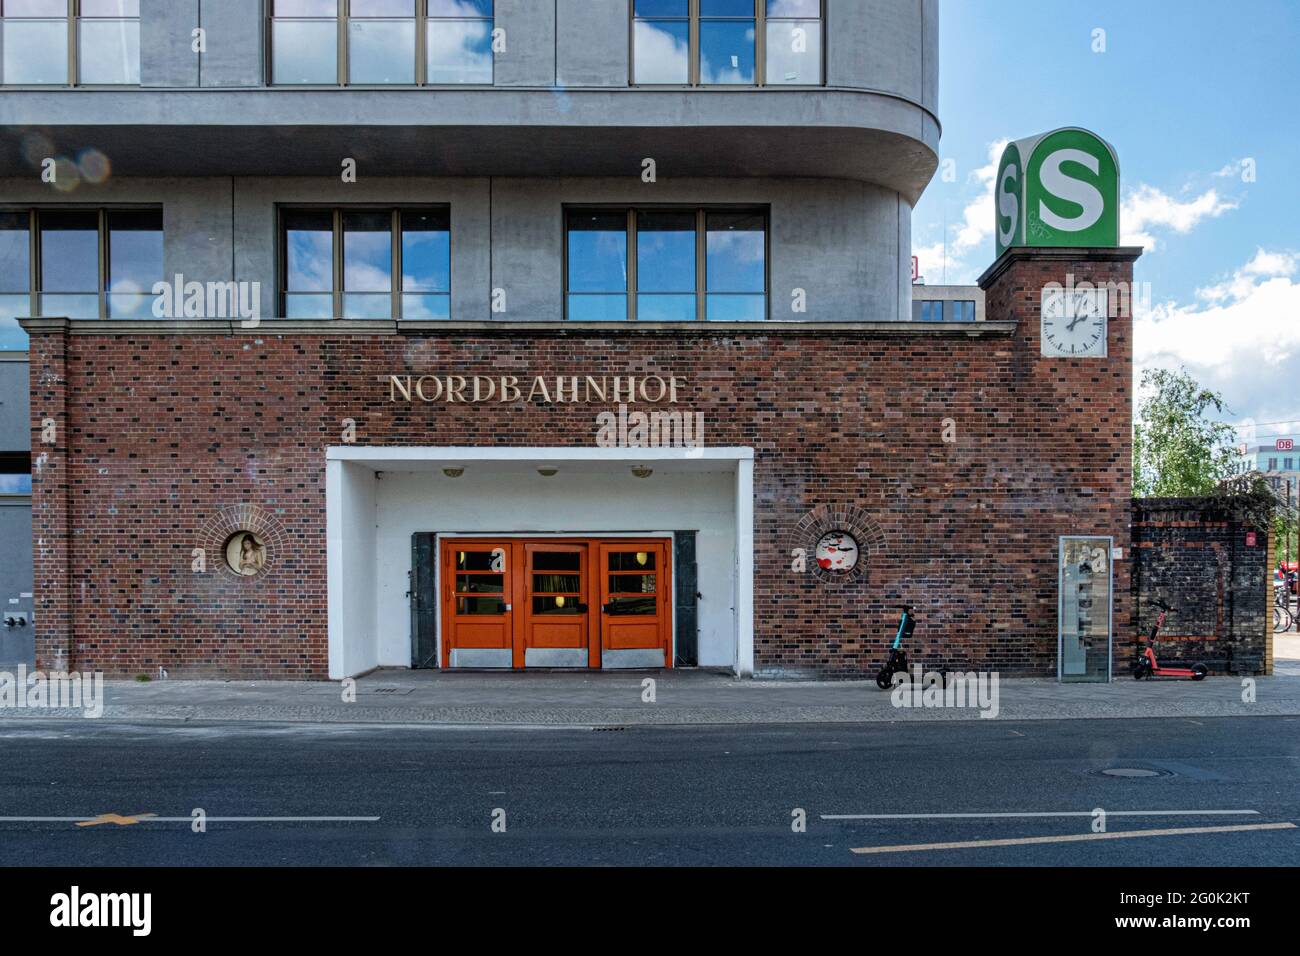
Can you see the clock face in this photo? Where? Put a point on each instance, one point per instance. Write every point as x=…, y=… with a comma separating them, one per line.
x=1074, y=322
x=837, y=551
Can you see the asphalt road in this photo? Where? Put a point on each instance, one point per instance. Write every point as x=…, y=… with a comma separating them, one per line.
x=701, y=795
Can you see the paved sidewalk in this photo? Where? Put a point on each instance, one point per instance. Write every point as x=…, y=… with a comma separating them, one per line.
x=682, y=698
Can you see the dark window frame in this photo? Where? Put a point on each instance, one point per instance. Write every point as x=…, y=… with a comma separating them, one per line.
x=342, y=17
x=337, y=293
x=103, y=262
x=701, y=252
x=74, y=18
x=694, y=19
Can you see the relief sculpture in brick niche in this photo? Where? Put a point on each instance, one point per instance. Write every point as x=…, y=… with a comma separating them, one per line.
x=834, y=542
x=242, y=541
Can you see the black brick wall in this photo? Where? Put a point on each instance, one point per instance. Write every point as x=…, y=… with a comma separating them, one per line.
x=1193, y=554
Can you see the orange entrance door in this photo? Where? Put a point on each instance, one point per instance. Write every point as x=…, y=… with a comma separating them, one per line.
x=634, y=586
x=478, y=604
x=556, y=614
x=559, y=602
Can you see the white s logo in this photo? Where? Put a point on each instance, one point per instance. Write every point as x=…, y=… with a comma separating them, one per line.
x=1075, y=190
x=1008, y=206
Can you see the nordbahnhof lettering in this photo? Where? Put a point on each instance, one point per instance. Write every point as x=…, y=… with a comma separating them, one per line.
x=559, y=389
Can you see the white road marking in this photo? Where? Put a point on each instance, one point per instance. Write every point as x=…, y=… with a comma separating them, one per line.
x=1071, y=838
x=1048, y=813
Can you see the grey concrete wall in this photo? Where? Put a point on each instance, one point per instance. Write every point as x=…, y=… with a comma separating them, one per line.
x=15, y=414
x=235, y=31
x=592, y=38
x=167, y=57
x=529, y=57
x=847, y=244
x=882, y=45
x=15, y=579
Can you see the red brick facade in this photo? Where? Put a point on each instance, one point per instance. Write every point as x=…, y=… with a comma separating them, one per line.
x=159, y=434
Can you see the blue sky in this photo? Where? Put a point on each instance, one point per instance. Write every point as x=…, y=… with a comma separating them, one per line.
x=1185, y=90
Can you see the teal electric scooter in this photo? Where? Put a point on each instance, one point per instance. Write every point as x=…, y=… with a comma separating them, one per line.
x=897, y=663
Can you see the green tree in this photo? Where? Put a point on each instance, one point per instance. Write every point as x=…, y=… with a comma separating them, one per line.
x=1284, y=535
x=1177, y=450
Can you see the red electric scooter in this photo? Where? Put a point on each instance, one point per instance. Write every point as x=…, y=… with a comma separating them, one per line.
x=1146, y=664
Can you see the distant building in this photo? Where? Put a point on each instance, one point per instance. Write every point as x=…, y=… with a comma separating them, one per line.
x=1277, y=466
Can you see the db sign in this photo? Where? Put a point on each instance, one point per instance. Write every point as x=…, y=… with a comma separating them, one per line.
x=1285, y=444
x=1058, y=189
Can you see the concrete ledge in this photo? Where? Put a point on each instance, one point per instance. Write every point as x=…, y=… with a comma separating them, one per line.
x=346, y=327
x=1057, y=254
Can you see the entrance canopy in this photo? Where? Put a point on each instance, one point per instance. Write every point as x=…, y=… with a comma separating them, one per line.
x=379, y=499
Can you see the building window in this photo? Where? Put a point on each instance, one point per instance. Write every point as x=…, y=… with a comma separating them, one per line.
x=78, y=264
x=727, y=42
x=15, y=473
x=70, y=42
x=381, y=42
x=666, y=264
x=366, y=263
x=1287, y=464
x=1272, y=464
x=943, y=310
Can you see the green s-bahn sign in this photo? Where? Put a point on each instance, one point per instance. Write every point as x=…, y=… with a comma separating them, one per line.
x=1057, y=189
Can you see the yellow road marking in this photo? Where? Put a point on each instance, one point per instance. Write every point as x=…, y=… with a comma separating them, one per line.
x=1071, y=838
x=114, y=818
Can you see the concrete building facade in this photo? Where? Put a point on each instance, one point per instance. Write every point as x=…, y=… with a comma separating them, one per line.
x=348, y=381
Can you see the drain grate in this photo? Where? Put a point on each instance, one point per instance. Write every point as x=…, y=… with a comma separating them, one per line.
x=605, y=730
x=1131, y=772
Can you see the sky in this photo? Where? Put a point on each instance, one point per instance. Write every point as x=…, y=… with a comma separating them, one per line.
x=1201, y=101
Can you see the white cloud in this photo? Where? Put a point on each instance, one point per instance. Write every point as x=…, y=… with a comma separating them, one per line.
x=973, y=232
x=1146, y=208
x=1144, y=211
x=1241, y=338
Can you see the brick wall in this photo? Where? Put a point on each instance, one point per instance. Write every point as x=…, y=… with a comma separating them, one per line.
x=1193, y=554
x=164, y=432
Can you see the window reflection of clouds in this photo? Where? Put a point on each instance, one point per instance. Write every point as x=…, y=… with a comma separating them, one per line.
x=36, y=51
x=381, y=51
x=460, y=51
x=736, y=260
x=784, y=63
x=305, y=51
x=793, y=8
x=310, y=265
x=662, y=52
x=726, y=53
x=425, y=261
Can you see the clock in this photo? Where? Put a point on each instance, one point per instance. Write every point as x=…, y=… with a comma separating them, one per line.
x=1074, y=322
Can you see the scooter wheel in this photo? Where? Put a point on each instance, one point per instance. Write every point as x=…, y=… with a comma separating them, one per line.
x=884, y=679
x=1139, y=670
x=1199, y=671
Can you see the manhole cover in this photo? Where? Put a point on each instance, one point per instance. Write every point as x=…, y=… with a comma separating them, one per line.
x=1131, y=772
